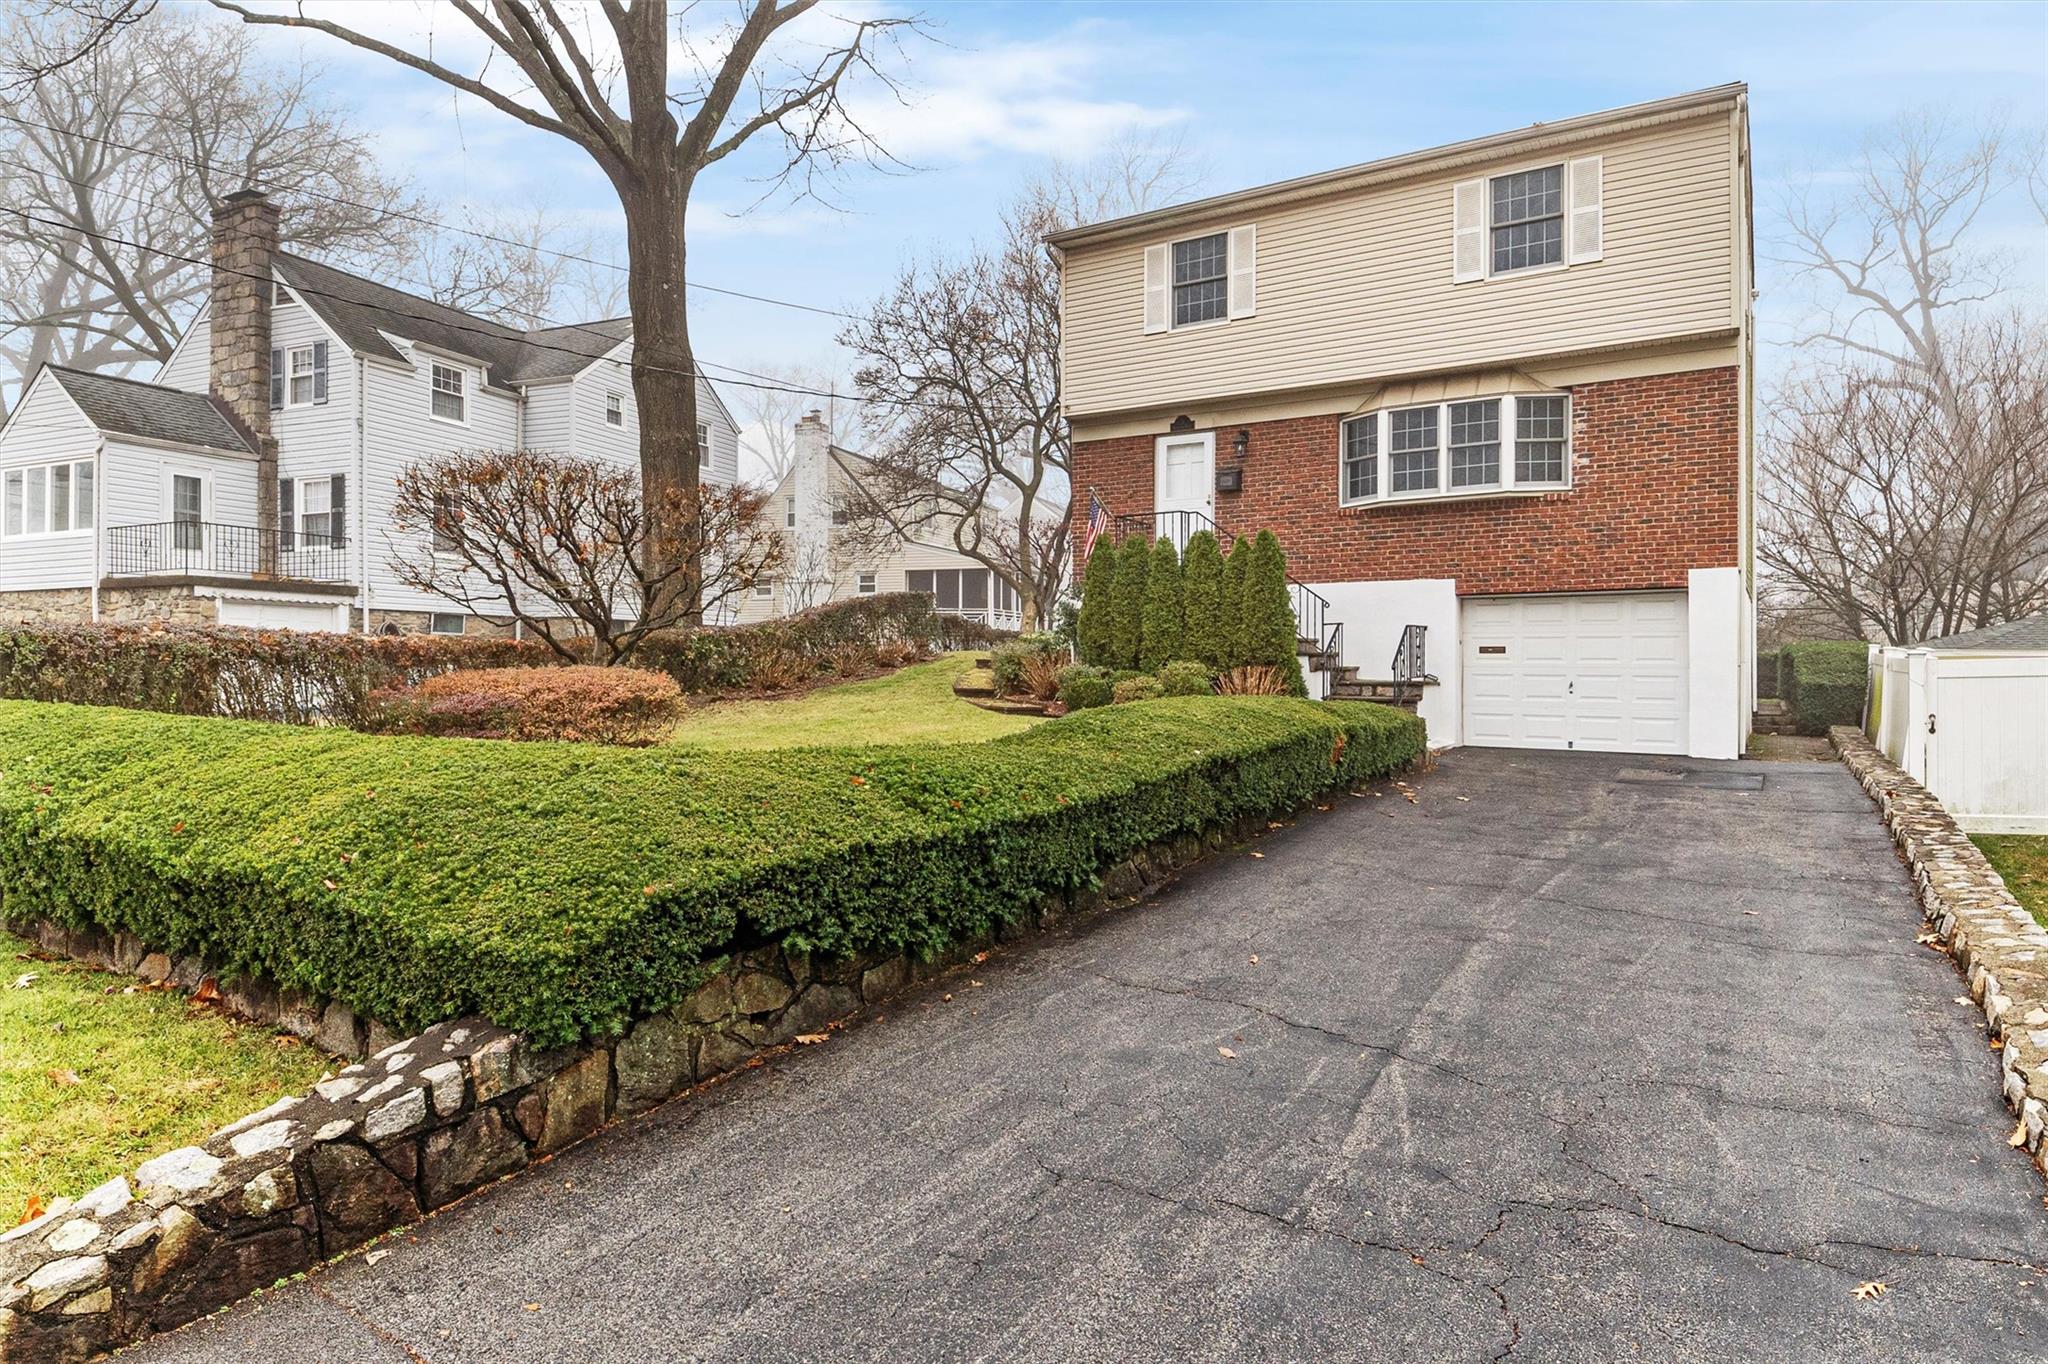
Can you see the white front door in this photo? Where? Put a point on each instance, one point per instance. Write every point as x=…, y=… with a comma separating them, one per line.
x=1604, y=672
x=1184, y=486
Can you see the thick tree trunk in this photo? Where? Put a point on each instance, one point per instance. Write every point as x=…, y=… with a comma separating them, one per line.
x=664, y=369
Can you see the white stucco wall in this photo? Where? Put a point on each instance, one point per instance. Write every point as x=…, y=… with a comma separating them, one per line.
x=1717, y=695
x=1375, y=613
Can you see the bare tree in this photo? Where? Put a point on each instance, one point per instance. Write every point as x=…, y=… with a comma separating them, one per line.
x=770, y=410
x=610, y=89
x=1903, y=468
x=1880, y=520
x=111, y=163
x=570, y=548
x=959, y=369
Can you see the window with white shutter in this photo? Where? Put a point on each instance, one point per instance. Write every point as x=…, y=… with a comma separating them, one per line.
x=1536, y=217
x=1585, y=231
x=1201, y=280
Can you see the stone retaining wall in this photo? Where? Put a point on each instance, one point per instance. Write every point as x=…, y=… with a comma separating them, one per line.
x=1990, y=934
x=418, y=1124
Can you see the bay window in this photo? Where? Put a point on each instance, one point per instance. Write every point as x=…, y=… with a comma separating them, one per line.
x=1468, y=448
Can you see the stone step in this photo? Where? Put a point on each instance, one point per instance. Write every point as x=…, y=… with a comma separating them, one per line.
x=1770, y=705
x=1761, y=723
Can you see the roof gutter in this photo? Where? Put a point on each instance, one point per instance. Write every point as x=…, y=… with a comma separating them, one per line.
x=1408, y=165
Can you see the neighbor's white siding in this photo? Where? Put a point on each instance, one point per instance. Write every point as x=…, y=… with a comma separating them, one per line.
x=1358, y=285
x=189, y=360
x=45, y=428
x=138, y=479
x=317, y=440
x=548, y=417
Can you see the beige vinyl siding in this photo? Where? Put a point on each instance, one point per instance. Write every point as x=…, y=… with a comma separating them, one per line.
x=1359, y=286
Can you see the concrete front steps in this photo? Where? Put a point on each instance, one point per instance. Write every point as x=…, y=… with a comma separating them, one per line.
x=1772, y=716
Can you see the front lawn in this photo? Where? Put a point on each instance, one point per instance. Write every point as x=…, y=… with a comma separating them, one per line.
x=914, y=706
x=95, y=1080
x=2022, y=859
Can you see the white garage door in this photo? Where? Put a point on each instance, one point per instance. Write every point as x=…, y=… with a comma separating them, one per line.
x=1603, y=672
x=279, y=615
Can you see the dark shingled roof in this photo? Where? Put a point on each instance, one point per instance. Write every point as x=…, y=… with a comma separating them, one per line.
x=361, y=311
x=130, y=407
x=2028, y=632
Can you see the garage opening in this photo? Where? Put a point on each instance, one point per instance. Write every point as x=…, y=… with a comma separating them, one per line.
x=1603, y=672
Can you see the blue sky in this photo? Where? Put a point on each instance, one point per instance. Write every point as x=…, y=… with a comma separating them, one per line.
x=1257, y=93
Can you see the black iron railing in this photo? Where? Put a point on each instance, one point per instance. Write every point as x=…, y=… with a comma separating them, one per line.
x=1411, y=662
x=193, y=549
x=1322, y=637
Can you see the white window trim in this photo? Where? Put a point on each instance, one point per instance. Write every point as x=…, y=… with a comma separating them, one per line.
x=1240, y=278
x=1564, y=260
x=311, y=374
x=867, y=584
x=1443, y=491
x=433, y=616
x=171, y=474
x=615, y=403
x=460, y=372
x=49, y=468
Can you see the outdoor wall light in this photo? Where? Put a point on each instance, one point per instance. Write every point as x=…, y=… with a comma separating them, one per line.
x=1240, y=444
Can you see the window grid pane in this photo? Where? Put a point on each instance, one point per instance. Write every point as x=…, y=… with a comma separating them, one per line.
x=1361, y=459
x=82, y=497
x=38, y=505
x=1540, y=433
x=1411, y=450
x=1528, y=219
x=1475, y=444
x=60, y=497
x=15, y=503
x=448, y=392
x=1200, y=293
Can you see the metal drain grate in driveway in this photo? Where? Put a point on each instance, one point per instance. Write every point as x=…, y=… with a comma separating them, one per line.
x=1696, y=780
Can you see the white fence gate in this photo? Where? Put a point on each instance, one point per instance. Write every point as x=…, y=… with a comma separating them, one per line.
x=1971, y=727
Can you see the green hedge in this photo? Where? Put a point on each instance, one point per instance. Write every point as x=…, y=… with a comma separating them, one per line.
x=562, y=888
x=1822, y=683
x=731, y=658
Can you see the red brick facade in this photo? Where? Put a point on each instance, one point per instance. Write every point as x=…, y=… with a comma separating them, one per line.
x=1656, y=479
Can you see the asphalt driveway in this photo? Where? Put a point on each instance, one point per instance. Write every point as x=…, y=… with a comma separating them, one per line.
x=1576, y=1057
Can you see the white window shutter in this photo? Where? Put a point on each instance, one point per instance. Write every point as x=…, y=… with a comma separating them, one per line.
x=1244, y=271
x=1584, y=230
x=1156, y=292
x=1468, y=231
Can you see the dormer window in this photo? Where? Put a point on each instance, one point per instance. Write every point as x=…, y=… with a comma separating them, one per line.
x=450, y=394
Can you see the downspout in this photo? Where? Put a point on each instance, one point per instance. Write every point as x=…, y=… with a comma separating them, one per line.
x=99, y=515
x=362, y=498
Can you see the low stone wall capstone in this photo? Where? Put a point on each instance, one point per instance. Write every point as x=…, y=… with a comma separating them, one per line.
x=420, y=1123
x=1975, y=918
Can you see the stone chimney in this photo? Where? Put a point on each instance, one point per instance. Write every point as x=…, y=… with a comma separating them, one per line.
x=809, y=579
x=238, y=370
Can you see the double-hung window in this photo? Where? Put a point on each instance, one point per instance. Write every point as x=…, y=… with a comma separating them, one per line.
x=312, y=513
x=1527, y=218
x=1466, y=448
x=450, y=393
x=864, y=584
x=1201, y=287
x=48, y=499
x=614, y=409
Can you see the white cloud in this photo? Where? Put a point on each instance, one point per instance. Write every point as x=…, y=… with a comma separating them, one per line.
x=1037, y=96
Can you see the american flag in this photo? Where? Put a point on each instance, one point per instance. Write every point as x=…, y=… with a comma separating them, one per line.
x=1098, y=521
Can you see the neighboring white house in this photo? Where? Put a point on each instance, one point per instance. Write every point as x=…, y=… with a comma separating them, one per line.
x=131, y=500
x=827, y=561
x=1967, y=716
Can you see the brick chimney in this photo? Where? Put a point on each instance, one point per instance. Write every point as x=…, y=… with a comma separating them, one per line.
x=238, y=369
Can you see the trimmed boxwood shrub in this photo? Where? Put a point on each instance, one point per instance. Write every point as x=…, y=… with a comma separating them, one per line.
x=1187, y=678
x=1822, y=683
x=1137, y=689
x=1083, y=687
x=786, y=651
x=588, y=705
x=564, y=888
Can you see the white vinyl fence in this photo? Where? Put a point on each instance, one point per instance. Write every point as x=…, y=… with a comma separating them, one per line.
x=1970, y=726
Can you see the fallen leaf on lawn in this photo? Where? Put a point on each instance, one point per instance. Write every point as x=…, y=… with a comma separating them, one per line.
x=63, y=1078
x=981, y=956
x=286, y=1040
x=327, y=883
x=1871, y=1288
x=1998, y=1044
x=207, y=992
x=33, y=1210
x=23, y=981
x=2019, y=1134
x=374, y=1256
x=1226, y=1053
x=811, y=1039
